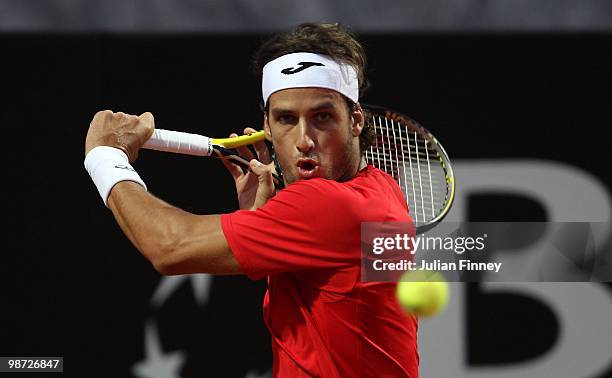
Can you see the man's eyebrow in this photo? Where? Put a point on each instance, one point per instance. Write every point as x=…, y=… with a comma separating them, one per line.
x=323, y=106
x=318, y=107
x=277, y=111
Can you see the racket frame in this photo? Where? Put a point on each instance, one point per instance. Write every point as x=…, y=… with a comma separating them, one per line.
x=422, y=132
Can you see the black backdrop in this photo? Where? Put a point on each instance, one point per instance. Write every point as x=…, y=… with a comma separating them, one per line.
x=73, y=286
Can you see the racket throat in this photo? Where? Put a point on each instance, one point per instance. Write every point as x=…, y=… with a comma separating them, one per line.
x=244, y=163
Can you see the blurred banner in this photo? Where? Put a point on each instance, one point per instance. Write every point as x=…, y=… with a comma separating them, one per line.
x=214, y=16
x=524, y=118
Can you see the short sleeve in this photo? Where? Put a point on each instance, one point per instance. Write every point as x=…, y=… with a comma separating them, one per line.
x=310, y=225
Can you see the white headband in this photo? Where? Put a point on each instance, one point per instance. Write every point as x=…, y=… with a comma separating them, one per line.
x=302, y=70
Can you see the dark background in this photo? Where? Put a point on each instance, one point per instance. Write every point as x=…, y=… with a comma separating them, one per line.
x=73, y=286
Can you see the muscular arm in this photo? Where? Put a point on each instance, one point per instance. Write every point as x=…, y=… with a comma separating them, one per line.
x=173, y=240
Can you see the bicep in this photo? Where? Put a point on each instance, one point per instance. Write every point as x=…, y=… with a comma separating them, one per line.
x=203, y=248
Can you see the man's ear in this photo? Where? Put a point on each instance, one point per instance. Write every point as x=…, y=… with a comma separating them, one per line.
x=267, y=127
x=358, y=118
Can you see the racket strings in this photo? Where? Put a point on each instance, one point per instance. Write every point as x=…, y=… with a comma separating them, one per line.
x=413, y=161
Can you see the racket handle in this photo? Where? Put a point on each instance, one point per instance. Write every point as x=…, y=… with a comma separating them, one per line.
x=179, y=143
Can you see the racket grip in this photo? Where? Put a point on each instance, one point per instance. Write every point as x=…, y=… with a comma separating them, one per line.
x=179, y=142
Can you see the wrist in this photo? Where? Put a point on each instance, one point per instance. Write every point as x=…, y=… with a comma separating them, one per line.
x=107, y=166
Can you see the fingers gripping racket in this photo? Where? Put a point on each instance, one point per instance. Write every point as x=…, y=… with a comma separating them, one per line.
x=401, y=147
x=200, y=145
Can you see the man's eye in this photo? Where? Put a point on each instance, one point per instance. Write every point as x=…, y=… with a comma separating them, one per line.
x=287, y=119
x=323, y=117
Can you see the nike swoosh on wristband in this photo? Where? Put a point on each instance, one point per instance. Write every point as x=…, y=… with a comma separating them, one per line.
x=125, y=167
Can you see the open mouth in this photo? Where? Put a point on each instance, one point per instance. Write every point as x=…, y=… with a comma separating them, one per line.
x=307, y=168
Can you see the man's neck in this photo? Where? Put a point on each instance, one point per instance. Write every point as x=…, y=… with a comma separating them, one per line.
x=350, y=174
x=362, y=163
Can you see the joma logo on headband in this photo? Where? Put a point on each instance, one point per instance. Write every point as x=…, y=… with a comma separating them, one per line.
x=301, y=67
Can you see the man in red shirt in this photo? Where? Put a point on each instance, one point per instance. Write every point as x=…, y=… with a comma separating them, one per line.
x=305, y=238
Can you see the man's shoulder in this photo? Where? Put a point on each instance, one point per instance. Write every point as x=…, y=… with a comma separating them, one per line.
x=368, y=179
x=371, y=190
x=367, y=174
x=374, y=180
x=315, y=192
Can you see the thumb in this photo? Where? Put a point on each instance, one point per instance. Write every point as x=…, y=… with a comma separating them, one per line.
x=262, y=171
x=265, y=190
x=148, y=121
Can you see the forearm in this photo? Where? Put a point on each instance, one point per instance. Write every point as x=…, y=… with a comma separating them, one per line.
x=173, y=240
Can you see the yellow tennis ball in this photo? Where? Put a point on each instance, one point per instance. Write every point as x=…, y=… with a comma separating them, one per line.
x=423, y=293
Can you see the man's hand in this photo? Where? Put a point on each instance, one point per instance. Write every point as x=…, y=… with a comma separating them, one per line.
x=123, y=131
x=255, y=187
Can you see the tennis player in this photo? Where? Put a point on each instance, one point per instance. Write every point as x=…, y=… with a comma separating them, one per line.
x=305, y=238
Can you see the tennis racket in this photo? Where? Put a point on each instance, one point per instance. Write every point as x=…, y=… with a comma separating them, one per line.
x=401, y=147
x=200, y=145
x=416, y=160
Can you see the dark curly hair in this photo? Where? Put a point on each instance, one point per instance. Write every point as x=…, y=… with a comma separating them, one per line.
x=326, y=39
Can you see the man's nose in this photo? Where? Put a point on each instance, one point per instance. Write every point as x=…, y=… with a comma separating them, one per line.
x=304, y=143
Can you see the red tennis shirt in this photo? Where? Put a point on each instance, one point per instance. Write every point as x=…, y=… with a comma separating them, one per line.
x=323, y=320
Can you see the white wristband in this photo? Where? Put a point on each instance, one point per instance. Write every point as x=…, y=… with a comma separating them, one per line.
x=107, y=166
